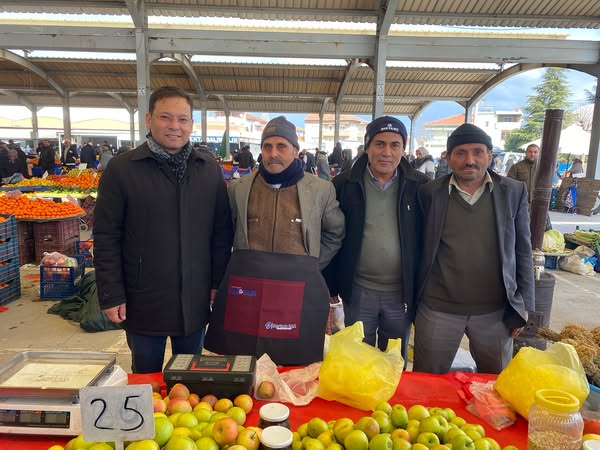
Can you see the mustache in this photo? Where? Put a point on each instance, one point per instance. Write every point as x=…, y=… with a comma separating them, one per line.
x=471, y=166
x=272, y=161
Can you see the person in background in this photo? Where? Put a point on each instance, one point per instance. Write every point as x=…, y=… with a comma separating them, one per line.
x=509, y=163
x=310, y=164
x=322, y=165
x=47, y=157
x=245, y=159
x=283, y=219
x=347, y=155
x=442, y=168
x=162, y=236
x=476, y=276
x=88, y=155
x=576, y=169
x=122, y=149
x=336, y=159
x=375, y=269
x=424, y=162
x=11, y=164
x=359, y=152
x=526, y=169
x=71, y=156
x=105, y=156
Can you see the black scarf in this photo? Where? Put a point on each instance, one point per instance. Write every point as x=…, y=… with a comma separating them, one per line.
x=177, y=162
x=286, y=178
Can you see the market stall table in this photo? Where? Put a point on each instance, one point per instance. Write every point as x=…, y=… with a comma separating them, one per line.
x=414, y=388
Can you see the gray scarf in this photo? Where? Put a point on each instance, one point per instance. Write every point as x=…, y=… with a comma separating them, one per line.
x=177, y=162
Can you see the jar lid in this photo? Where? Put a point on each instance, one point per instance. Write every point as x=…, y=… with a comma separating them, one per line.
x=274, y=412
x=557, y=400
x=276, y=437
x=592, y=444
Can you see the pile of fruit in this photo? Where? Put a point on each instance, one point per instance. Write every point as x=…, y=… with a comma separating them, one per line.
x=396, y=428
x=184, y=421
x=26, y=208
x=33, y=182
x=84, y=181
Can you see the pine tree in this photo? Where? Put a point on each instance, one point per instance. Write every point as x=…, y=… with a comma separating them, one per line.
x=552, y=93
x=590, y=96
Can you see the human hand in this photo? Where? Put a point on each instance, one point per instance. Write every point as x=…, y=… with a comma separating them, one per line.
x=116, y=314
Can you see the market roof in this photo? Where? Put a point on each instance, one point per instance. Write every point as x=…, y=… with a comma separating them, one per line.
x=245, y=66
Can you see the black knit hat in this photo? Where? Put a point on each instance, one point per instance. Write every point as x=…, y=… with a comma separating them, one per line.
x=385, y=124
x=468, y=133
x=280, y=126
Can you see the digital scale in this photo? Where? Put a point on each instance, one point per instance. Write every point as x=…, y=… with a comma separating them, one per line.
x=222, y=376
x=39, y=390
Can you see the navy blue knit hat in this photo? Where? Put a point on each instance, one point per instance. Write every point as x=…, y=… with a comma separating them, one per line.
x=280, y=126
x=468, y=133
x=385, y=124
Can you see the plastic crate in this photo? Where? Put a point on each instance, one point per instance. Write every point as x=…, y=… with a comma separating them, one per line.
x=9, y=249
x=68, y=248
x=26, y=251
x=10, y=270
x=10, y=291
x=61, y=281
x=551, y=262
x=56, y=231
x=8, y=228
x=24, y=230
x=84, y=248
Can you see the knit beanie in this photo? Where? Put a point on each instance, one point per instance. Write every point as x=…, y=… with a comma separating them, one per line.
x=468, y=133
x=385, y=124
x=280, y=126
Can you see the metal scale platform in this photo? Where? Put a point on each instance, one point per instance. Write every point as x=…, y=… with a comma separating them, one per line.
x=39, y=390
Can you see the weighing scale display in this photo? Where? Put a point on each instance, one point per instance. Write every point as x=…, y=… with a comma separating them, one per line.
x=34, y=418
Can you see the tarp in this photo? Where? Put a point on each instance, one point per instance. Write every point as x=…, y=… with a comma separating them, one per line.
x=573, y=139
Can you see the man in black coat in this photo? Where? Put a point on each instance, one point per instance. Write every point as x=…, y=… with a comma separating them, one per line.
x=88, y=155
x=375, y=270
x=162, y=236
x=47, y=157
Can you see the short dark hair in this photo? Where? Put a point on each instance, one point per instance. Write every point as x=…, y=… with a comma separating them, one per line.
x=169, y=92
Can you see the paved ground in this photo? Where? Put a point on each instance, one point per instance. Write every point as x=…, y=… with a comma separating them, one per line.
x=26, y=325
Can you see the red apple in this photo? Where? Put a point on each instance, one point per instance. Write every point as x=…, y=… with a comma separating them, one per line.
x=225, y=431
x=265, y=390
x=178, y=405
x=210, y=399
x=179, y=390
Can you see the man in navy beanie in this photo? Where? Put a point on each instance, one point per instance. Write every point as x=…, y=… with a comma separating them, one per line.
x=288, y=227
x=476, y=276
x=375, y=269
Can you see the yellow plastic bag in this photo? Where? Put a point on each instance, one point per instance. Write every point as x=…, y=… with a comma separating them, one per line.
x=358, y=374
x=557, y=367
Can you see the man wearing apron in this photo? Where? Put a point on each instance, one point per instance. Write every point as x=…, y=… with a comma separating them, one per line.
x=288, y=227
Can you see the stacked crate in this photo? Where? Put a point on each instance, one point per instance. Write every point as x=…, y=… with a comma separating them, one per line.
x=26, y=242
x=85, y=249
x=55, y=236
x=10, y=278
x=57, y=281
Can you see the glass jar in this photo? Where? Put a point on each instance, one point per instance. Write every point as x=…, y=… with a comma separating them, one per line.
x=273, y=414
x=276, y=438
x=554, y=421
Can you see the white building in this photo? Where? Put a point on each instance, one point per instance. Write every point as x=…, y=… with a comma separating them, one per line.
x=351, y=134
x=497, y=124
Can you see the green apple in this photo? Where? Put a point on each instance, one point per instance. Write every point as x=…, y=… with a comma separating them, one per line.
x=312, y=444
x=458, y=421
x=297, y=445
x=482, y=444
x=401, y=444
x=510, y=447
x=356, y=440
x=494, y=443
x=434, y=424
x=303, y=430
x=327, y=438
x=450, y=414
x=381, y=441
x=335, y=446
x=413, y=429
x=462, y=442
x=238, y=414
x=417, y=412
x=369, y=425
x=428, y=439
x=399, y=416
x=437, y=411
x=383, y=419
x=450, y=433
x=474, y=430
x=330, y=424
x=419, y=446
x=207, y=443
x=316, y=426
x=249, y=439
x=196, y=431
x=342, y=427
x=400, y=433
x=384, y=406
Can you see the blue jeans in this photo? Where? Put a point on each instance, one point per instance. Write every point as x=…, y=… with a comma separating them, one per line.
x=148, y=352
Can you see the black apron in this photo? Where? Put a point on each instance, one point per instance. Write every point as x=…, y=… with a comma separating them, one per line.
x=272, y=303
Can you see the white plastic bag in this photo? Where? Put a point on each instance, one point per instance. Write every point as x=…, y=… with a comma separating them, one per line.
x=297, y=386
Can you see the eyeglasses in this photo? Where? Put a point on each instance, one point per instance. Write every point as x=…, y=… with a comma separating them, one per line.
x=168, y=118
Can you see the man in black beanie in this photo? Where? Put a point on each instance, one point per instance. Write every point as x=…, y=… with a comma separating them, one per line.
x=375, y=269
x=476, y=277
x=288, y=226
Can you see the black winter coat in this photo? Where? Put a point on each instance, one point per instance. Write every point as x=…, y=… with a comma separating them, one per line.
x=159, y=245
x=350, y=189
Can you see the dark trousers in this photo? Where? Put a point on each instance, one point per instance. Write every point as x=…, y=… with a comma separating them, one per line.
x=148, y=352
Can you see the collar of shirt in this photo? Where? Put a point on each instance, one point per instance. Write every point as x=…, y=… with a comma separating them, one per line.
x=377, y=183
x=471, y=199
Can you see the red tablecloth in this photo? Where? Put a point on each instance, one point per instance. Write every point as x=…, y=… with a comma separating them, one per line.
x=414, y=388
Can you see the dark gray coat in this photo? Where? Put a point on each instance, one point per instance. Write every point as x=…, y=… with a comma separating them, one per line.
x=160, y=246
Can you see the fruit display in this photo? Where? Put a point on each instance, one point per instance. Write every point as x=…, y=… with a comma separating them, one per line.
x=185, y=421
x=395, y=428
x=28, y=209
x=586, y=343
